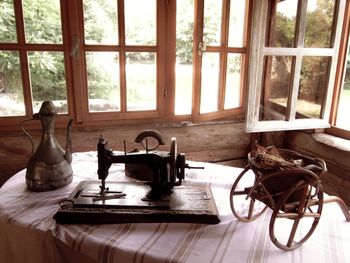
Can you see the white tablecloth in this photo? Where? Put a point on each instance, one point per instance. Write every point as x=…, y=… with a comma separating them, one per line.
x=28, y=233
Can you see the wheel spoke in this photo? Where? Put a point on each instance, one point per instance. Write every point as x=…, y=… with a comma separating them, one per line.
x=292, y=233
x=251, y=208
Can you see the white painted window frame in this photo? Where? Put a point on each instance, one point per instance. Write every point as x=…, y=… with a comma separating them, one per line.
x=256, y=66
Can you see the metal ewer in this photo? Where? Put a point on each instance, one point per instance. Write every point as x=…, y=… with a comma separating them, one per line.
x=49, y=167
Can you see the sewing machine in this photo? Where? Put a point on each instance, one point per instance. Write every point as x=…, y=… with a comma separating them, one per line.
x=153, y=193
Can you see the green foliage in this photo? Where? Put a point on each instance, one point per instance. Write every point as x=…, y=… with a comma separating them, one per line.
x=7, y=22
x=100, y=83
x=10, y=77
x=319, y=25
x=100, y=21
x=284, y=33
x=42, y=21
x=47, y=75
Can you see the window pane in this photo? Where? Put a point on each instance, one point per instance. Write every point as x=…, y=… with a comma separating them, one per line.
x=312, y=88
x=343, y=108
x=42, y=21
x=212, y=22
x=274, y=99
x=48, y=80
x=283, y=20
x=343, y=120
x=210, y=82
x=101, y=22
x=103, y=81
x=236, y=27
x=7, y=22
x=184, y=56
x=233, y=81
x=141, y=85
x=11, y=91
x=140, y=22
x=319, y=23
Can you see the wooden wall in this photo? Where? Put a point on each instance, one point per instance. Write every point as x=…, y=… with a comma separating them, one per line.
x=336, y=155
x=223, y=142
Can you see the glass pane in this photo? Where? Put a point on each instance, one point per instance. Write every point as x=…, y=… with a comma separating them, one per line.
x=141, y=84
x=236, y=27
x=184, y=56
x=274, y=98
x=42, y=21
x=101, y=22
x=103, y=81
x=140, y=22
x=343, y=120
x=210, y=82
x=282, y=25
x=48, y=81
x=312, y=88
x=319, y=23
x=233, y=81
x=11, y=91
x=212, y=22
x=7, y=22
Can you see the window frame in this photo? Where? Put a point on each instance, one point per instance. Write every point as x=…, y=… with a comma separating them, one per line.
x=73, y=48
x=256, y=79
x=342, y=57
x=224, y=50
x=11, y=122
x=82, y=113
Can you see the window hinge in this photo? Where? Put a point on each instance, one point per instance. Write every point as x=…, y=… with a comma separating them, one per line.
x=165, y=94
x=202, y=47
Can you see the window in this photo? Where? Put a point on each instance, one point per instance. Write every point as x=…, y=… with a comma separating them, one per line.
x=341, y=99
x=111, y=60
x=33, y=64
x=219, y=60
x=119, y=55
x=295, y=52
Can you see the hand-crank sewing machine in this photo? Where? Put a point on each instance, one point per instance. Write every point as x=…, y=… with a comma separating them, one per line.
x=157, y=195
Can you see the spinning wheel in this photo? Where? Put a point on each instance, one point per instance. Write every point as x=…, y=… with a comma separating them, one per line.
x=288, y=183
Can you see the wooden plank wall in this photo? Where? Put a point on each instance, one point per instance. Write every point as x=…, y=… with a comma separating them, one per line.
x=337, y=180
x=224, y=142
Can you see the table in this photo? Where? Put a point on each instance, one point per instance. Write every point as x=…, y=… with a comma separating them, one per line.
x=28, y=232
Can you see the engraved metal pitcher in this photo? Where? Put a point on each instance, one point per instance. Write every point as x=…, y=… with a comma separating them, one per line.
x=50, y=166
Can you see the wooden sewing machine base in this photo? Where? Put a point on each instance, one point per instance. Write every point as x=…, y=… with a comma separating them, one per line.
x=126, y=202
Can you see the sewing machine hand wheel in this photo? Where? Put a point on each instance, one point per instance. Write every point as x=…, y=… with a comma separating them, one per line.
x=142, y=138
x=172, y=163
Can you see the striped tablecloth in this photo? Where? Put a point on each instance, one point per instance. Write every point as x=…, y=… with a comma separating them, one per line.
x=28, y=233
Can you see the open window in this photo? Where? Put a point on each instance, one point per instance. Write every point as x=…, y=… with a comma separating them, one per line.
x=294, y=48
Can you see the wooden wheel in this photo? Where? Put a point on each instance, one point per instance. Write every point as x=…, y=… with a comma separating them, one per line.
x=244, y=206
x=297, y=212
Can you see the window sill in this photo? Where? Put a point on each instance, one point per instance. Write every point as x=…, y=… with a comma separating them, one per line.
x=333, y=141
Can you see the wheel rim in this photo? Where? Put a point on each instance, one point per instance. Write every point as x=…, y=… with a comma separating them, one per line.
x=298, y=218
x=245, y=208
